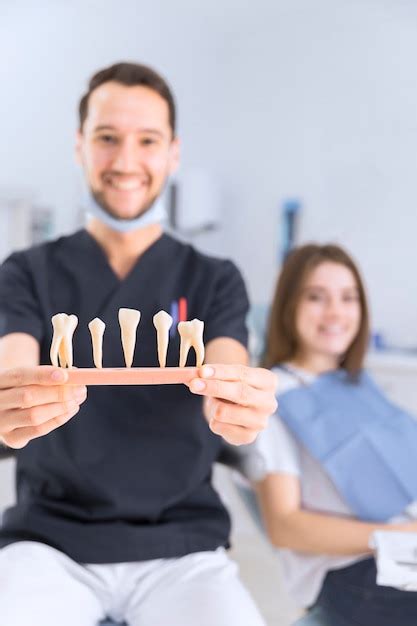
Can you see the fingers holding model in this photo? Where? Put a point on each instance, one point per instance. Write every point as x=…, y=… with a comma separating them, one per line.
x=239, y=400
x=34, y=401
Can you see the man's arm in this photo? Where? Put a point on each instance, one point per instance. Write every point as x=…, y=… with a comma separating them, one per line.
x=18, y=350
x=238, y=399
x=226, y=350
x=33, y=399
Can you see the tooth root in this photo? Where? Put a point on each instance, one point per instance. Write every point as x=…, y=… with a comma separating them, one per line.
x=191, y=334
x=70, y=326
x=58, y=325
x=61, y=354
x=128, y=320
x=197, y=341
x=162, y=322
x=97, y=327
x=54, y=350
x=185, y=346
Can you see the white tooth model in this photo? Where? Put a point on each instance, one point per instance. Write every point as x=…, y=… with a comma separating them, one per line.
x=97, y=327
x=191, y=334
x=162, y=322
x=128, y=320
x=64, y=326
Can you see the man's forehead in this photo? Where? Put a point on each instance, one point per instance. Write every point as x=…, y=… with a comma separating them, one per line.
x=122, y=106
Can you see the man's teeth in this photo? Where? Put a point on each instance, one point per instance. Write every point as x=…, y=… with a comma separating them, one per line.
x=162, y=322
x=64, y=326
x=191, y=334
x=124, y=184
x=97, y=327
x=129, y=320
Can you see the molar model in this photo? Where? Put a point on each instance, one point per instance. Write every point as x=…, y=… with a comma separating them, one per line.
x=191, y=334
x=64, y=326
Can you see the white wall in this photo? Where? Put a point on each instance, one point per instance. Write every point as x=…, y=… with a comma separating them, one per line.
x=280, y=98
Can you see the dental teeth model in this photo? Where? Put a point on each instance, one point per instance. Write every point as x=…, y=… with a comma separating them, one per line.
x=128, y=320
x=64, y=326
x=97, y=327
x=191, y=334
x=162, y=322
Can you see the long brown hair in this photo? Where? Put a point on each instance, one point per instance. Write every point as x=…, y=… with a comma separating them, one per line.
x=282, y=338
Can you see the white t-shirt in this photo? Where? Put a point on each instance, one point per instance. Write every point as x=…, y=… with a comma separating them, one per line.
x=277, y=451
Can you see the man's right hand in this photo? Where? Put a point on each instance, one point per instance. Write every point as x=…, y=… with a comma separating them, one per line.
x=34, y=401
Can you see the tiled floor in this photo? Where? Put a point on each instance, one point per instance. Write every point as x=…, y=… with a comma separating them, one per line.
x=258, y=565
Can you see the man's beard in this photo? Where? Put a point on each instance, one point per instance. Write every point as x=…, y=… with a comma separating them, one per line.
x=99, y=198
x=153, y=213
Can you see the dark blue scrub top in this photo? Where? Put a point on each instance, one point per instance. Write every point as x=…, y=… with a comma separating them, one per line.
x=129, y=477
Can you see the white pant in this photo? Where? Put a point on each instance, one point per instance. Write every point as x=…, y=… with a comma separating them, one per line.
x=40, y=586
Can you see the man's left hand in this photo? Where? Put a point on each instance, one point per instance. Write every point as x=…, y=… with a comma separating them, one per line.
x=239, y=399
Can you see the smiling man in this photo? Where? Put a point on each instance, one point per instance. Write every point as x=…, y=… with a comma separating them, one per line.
x=116, y=514
x=127, y=145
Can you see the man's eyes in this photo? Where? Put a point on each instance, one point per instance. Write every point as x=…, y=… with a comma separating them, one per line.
x=148, y=141
x=108, y=139
x=113, y=140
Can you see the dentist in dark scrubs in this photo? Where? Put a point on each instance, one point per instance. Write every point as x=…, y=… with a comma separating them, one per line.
x=116, y=515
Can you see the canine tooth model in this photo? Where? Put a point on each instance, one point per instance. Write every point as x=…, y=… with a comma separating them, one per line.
x=97, y=327
x=191, y=334
x=128, y=320
x=162, y=322
x=64, y=326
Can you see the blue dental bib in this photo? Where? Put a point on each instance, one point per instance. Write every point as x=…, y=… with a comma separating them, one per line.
x=365, y=443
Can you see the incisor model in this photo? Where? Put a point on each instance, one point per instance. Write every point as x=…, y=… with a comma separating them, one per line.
x=97, y=327
x=64, y=326
x=162, y=322
x=129, y=320
x=191, y=334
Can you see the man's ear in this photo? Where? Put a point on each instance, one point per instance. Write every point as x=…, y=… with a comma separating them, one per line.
x=78, y=149
x=174, y=158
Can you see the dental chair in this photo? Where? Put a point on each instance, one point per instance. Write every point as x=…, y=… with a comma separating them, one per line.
x=236, y=460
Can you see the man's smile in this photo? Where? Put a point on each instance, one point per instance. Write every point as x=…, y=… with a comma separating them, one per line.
x=124, y=182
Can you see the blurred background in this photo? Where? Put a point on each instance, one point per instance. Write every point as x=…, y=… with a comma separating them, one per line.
x=278, y=101
x=298, y=122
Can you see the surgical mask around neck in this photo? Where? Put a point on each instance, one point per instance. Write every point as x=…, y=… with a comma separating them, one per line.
x=156, y=214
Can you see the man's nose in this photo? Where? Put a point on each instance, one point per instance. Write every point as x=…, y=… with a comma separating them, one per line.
x=126, y=158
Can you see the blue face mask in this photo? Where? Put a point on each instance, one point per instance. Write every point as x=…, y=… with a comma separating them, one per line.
x=155, y=214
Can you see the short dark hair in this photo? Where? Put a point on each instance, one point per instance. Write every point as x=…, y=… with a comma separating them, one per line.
x=282, y=338
x=129, y=74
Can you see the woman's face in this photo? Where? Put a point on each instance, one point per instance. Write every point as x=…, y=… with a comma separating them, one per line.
x=328, y=314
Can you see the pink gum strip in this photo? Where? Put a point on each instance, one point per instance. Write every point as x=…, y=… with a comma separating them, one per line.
x=131, y=376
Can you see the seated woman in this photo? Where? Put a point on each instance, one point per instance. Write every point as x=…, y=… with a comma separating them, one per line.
x=335, y=470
